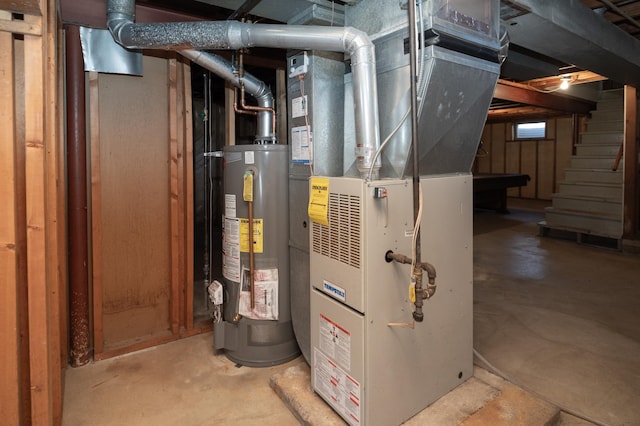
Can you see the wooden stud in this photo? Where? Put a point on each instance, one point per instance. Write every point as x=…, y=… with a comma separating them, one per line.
x=55, y=236
x=188, y=178
x=19, y=27
x=631, y=204
x=21, y=226
x=180, y=122
x=39, y=303
x=9, y=324
x=96, y=209
x=229, y=114
x=174, y=314
x=61, y=224
x=281, y=105
x=30, y=7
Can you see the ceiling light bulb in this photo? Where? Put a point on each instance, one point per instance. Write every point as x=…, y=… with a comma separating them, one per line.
x=564, y=85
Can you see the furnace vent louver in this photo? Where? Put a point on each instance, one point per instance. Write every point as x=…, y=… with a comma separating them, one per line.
x=341, y=239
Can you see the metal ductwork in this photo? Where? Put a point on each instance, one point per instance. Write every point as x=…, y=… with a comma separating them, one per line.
x=571, y=32
x=255, y=87
x=236, y=35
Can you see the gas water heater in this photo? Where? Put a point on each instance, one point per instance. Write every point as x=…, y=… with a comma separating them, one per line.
x=256, y=328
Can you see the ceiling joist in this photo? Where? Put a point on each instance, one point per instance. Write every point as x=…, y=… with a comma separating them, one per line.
x=520, y=93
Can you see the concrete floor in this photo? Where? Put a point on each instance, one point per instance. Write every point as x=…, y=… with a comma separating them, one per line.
x=561, y=319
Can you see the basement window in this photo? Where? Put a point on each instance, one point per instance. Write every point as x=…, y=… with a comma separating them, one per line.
x=531, y=130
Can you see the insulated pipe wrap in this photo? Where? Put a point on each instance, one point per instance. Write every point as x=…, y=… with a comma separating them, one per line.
x=124, y=7
x=236, y=35
x=173, y=35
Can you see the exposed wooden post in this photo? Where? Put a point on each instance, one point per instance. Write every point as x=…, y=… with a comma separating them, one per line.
x=281, y=105
x=96, y=213
x=174, y=312
x=188, y=180
x=229, y=114
x=36, y=184
x=631, y=197
x=9, y=325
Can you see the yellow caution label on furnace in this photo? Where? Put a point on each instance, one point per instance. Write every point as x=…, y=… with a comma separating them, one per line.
x=319, y=200
x=257, y=235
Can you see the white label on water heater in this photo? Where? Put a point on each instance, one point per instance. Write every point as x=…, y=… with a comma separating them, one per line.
x=249, y=157
x=337, y=387
x=231, y=249
x=266, y=294
x=230, y=205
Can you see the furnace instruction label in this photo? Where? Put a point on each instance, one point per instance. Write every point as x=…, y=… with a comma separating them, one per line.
x=319, y=200
x=301, y=145
x=337, y=387
x=299, y=107
x=231, y=249
x=335, y=341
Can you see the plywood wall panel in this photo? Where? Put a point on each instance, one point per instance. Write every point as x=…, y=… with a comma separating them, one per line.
x=512, y=164
x=564, y=148
x=528, y=166
x=546, y=169
x=498, y=148
x=483, y=156
x=543, y=160
x=135, y=208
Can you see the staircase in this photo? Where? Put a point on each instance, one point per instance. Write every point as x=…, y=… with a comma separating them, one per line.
x=589, y=201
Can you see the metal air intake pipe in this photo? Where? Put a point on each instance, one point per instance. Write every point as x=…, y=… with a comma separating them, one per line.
x=236, y=35
x=258, y=89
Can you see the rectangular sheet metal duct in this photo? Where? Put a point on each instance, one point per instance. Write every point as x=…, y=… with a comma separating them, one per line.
x=571, y=32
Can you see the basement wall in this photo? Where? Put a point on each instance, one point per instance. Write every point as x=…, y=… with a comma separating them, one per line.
x=544, y=160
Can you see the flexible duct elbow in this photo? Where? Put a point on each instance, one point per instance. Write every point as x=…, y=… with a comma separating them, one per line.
x=255, y=87
x=233, y=35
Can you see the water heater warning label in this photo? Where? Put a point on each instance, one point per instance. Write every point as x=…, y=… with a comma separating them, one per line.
x=337, y=387
x=335, y=341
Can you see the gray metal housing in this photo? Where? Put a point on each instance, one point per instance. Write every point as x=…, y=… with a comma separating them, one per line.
x=325, y=93
x=248, y=341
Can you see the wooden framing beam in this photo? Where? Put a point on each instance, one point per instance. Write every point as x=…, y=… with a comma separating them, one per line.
x=30, y=7
x=520, y=93
x=19, y=27
x=521, y=113
x=96, y=216
x=36, y=184
x=174, y=194
x=188, y=196
x=32, y=249
x=631, y=195
x=579, y=77
x=9, y=324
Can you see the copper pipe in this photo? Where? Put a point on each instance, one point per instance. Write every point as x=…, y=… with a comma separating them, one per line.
x=245, y=107
x=77, y=200
x=235, y=104
x=251, y=258
x=257, y=108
